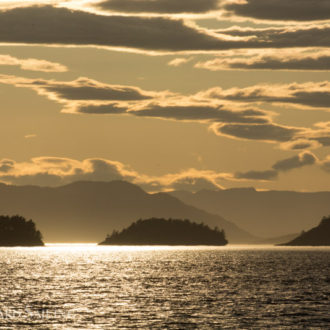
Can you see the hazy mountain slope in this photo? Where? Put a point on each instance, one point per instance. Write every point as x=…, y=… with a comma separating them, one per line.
x=87, y=211
x=277, y=240
x=317, y=236
x=263, y=213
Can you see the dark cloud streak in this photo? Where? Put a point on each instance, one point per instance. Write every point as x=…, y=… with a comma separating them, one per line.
x=265, y=132
x=200, y=113
x=282, y=10
x=267, y=62
x=267, y=175
x=303, y=159
x=49, y=25
x=160, y=6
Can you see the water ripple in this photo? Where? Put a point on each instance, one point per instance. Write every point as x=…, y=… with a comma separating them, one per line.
x=89, y=287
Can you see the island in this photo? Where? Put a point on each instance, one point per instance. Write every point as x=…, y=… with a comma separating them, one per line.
x=17, y=231
x=156, y=231
x=317, y=236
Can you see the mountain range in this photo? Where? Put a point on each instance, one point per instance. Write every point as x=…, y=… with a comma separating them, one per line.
x=263, y=213
x=87, y=211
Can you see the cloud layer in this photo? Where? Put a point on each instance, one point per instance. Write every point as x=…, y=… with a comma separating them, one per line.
x=306, y=95
x=48, y=25
x=85, y=95
x=261, y=132
x=159, y=6
x=32, y=64
x=56, y=171
x=289, y=137
x=301, y=160
x=282, y=10
x=286, y=61
x=232, y=113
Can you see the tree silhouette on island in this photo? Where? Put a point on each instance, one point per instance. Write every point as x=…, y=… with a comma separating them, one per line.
x=317, y=236
x=156, y=231
x=17, y=231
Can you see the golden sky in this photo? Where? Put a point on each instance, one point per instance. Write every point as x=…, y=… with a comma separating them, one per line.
x=167, y=94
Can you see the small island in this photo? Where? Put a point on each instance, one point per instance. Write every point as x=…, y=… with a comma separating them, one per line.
x=157, y=231
x=17, y=231
x=317, y=236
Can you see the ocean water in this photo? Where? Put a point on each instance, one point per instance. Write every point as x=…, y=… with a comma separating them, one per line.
x=233, y=287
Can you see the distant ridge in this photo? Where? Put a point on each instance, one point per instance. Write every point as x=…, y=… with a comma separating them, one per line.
x=277, y=240
x=263, y=213
x=84, y=211
x=157, y=231
x=317, y=236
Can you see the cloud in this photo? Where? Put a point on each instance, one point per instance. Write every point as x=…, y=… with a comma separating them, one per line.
x=287, y=61
x=261, y=132
x=320, y=133
x=179, y=61
x=305, y=95
x=87, y=89
x=6, y=165
x=30, y=136
x=226, y=111
x=325, y=165
x=187, y=112
x=189, y=180
x=303, y=159
x=81, y=89
x=267, y=175
x=300, y=144
x=159, y=6
x=191, y=183
x=92, y=97
x=32, y=64
x=101, y=109
x=193, y=112
x=282, y=10
x=11, y=4
x=55, y=171
x=289, y=137
x=49, y=25
x=280, y=37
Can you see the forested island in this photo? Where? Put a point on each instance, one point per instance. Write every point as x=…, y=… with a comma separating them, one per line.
x=156, y=231
x=17, y=231
x=317, y=236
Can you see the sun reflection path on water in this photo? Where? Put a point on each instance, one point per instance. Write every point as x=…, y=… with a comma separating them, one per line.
x=87, y=286
x=76, y=247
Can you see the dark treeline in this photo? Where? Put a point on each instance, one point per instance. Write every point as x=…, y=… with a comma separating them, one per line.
x=17, y=231
x=157, y=231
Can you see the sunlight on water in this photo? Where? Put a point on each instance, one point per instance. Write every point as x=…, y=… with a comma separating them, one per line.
x=131, y=248
x=87, y=286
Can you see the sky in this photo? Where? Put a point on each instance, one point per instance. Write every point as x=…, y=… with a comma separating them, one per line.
x=166, y=94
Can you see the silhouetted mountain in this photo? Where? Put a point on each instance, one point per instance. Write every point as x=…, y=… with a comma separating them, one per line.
x=84, y=211
x=263, y=213
x=317, y=236
x=17, y=231
x=156, y=231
